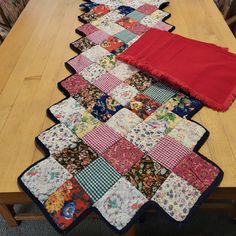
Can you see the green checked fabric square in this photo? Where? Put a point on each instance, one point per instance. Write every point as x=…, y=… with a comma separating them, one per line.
x=97, y=178
x=125, y=36
x=136, y=15
x=160, y=92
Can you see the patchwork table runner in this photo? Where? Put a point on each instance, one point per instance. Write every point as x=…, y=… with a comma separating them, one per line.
x=124, y=140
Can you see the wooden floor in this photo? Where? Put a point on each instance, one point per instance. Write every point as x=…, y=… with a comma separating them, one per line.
x=32, y=62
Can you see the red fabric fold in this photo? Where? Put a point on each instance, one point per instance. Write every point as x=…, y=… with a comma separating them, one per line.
x=206, y=71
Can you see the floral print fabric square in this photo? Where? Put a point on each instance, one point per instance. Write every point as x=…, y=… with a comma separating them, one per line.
x=88, y=97
x=97, y=178
x=82, y=44
x=116, y=122
x=168, y=152
x=98, y=36
x=147, y=176
x=107, y=82
x=120, y=203
x=101, y=138
x=105, y=108
x=122, y=155
x=108, y=62
x=67, y=203
x=147, y=9
x=143, y=106
x=57, y=138
x=81, y=125
x=92, y=72
x=112, y=43
x=123, y=93
x=74, y=84
x=198, y=172
x=163, y=26
x=127, y=22
x=176, y=197
x=76, y=158
x=63, y=110
x=163, y=120
x=187, y=133
x=138, y=29
x=95, y=53
x=45, y=177
x=124, y=10
x=87, y=29
x=144, y=136
x=140, y=81
x=123, y=71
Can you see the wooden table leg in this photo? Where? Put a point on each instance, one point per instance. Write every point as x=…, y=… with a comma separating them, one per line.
x=8, y=214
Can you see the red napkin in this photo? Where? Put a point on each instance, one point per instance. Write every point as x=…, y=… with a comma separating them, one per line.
x=206, y=71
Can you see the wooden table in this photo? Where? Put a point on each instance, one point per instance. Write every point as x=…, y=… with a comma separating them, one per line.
x=32, y=62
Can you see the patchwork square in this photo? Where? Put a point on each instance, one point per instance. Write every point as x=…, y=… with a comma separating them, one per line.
x=83, y=124
x=80, y=62
x=120, y=49
x=123, y=93
x=57, y=138
x=87, y=29
x=88, y=17
x=111, y=44
x=119, y=205
x=101, y=138
x=126, y=22
x=95, y=53
x=136, y=15
x=116, y=122
x=140, y=81
x=122, y=155
x=112, y=16
x=183, y=105
x=138, y=29
x=160, y=92
x=111, y=28
x=125, y=36
x=97, y=178
x=133, y=40
x=73, y=84
x=63, y=110
x=92, y=72
x=82, y=44
x=45, y=177
x=98, y=37
x=108, y=62
x=144, y=136
x=124, y=10
x=168, y=152
x=105, y=107
x=123, y=71
x=163, y=120
x=147, y=9
x=163, y=26
x=196, y=171
x=88, y=97
x=76, y=158
x=107, y=82
x=176, y=197
x=160, y=15
x=187, y=133
x=147, y=176
x=149, y=21
x=67, y=203
x=143, y=106
x=100, y=10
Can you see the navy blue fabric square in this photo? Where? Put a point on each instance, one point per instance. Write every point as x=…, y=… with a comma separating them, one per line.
x=124, y=10
x=105, y=108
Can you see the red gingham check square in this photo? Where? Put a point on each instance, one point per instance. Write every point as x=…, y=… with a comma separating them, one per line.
x=168, y=152
x=101, y=138
x=79, y=63
x=107, y=82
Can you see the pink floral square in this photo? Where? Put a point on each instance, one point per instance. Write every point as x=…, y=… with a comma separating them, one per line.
x=147, y=9
x=198, y=172
x=87, y=29
x=74, y=84
x=123, y=155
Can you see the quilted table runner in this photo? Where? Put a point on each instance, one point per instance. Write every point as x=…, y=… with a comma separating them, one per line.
x=123, y=141
x=205, y=70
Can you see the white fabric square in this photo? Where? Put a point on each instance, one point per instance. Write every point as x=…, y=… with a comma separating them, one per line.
x=95, y=53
